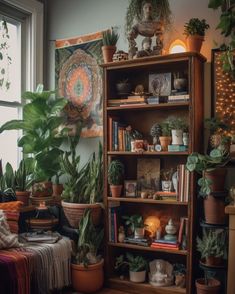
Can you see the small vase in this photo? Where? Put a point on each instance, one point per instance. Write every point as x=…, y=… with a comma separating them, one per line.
x=177, y=137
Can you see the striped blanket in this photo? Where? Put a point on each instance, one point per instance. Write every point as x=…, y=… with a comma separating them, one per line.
x=35, y=268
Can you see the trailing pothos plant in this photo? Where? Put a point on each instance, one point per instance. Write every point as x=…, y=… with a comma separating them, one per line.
x=202, y=163
x=5, y=59
x=227, y=27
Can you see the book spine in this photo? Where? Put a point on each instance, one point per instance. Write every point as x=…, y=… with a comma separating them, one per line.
x=115, y=136
x=164, y=246
x=110, y=133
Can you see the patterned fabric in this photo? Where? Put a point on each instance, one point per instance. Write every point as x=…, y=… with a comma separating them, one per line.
x=7, y=239
x=12, y=205
x=12, y=218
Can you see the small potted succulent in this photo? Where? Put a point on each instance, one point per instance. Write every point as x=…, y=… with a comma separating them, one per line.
x=110, y=38
x=115, y=177
x=212, y=246
x=136, y=225
x=165, y=138
x=136, y=265
x=194, y=30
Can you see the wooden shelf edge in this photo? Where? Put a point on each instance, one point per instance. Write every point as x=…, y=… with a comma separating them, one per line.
x=150, y=201
x=133, y=246
x=160, y=153
x=148, y=106
x=130, y=287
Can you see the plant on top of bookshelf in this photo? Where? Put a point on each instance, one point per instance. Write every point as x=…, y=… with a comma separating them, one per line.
x=115, y=177
x=87, y=264
x=213, y=246
x=136, y=225
x=110, y=38
x=135, y=264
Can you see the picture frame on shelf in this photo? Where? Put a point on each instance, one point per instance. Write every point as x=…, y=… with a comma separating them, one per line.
x=160, y=84
x=130, y=188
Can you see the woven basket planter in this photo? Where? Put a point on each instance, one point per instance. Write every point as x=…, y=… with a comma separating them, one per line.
x=74, y=212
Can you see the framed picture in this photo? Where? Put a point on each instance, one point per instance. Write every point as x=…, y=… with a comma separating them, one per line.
x=223, y=86
x=160, y=84
x=130, y=188
x=148, y=175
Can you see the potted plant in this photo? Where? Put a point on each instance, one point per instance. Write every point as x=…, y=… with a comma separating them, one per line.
x=136, y=225
x=165, y=138
x=166, y=178
x=123, y=87
x=211, y=182
x=87, y=266
x=57, y=187
x=23, y=180
x=7, y=184
x=115, y=177
x=84, y=186
x=137, y=266
x=42, y=136
x=110, y=38
x=195, y=32
x=208, y=285
x=177, y=125
x=212, y=247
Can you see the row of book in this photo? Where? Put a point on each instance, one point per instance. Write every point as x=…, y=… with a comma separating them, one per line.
x=183, y=187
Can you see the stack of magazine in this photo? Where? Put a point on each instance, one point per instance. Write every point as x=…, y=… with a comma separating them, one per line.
x=41, y=237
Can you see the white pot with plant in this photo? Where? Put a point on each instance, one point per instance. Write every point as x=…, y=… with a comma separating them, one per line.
x=115, y=177
x=136, y=225
x=137, y=266
x=177, y=125
x=87, y=266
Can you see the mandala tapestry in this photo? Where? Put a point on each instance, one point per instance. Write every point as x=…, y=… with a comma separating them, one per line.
x=79, y=79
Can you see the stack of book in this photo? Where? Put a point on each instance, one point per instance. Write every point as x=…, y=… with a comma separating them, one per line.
x=177, y=96
x=137, y=241
x=131, y=100
x=165, y=244
x=177, y=148
x=183, y=183
x=155, y=99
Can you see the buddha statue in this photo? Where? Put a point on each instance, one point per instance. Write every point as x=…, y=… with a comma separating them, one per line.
x=146, y=27
x=161, y=273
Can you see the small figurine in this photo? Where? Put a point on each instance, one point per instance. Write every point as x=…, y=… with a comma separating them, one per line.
x=170, y=230
x=121, y=234
x=146, y=48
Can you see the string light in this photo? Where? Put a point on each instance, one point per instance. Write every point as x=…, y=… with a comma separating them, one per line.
x=225, y=93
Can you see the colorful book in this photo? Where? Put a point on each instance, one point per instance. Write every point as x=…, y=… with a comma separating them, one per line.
x=177, y=148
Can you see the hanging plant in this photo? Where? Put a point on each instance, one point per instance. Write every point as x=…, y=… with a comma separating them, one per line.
x=5, y=59
x=227, y=27
x=161, y=11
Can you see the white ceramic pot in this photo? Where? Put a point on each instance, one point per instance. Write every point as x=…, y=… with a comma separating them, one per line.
x=166, y=186
x=139, y=233
x=177, y=137
x=137, y=277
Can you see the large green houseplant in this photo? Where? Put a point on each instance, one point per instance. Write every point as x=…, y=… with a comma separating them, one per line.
x=87, y=266
x=42, y=135
x=212, y=181
x=83, y=186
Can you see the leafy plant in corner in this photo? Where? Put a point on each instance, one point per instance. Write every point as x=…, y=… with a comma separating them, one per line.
x=227, y=27
x=23, y=175
x=89, y=241
x=212, y=243
x=195, y=26
x=133, y=263
x=215, y=125
x=202, y=163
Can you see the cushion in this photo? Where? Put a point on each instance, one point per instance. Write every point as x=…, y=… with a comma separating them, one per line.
x=7, y=239
x=12, y=205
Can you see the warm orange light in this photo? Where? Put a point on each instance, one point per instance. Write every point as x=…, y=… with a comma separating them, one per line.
x=177, y=46
x=152, y=223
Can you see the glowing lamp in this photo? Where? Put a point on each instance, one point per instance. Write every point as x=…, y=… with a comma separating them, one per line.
x=177, y=46
x=152, y=223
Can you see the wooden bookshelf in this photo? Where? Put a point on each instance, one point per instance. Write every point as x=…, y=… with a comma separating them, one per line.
x=141, y=118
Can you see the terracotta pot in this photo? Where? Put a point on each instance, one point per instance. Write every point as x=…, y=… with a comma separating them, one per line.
x=213, y=286
x=57, y=189
x=194, y=43
x=37, y=200
x=108, y=52
x=217, y=177
x=214, y=261
x=165, y=141
x=87, y=280
x=116, y=190
x=23, y=196
x=74, y=212
x=137, y=277
x=214, y=209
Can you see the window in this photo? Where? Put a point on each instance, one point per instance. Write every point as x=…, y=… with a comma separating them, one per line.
x=21, y=65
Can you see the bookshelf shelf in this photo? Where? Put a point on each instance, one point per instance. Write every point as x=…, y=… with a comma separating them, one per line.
x=162, y=153
x=160, y=106
x=122, y=125
x=143, y=287
x=148, y=201
x=137, y=247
